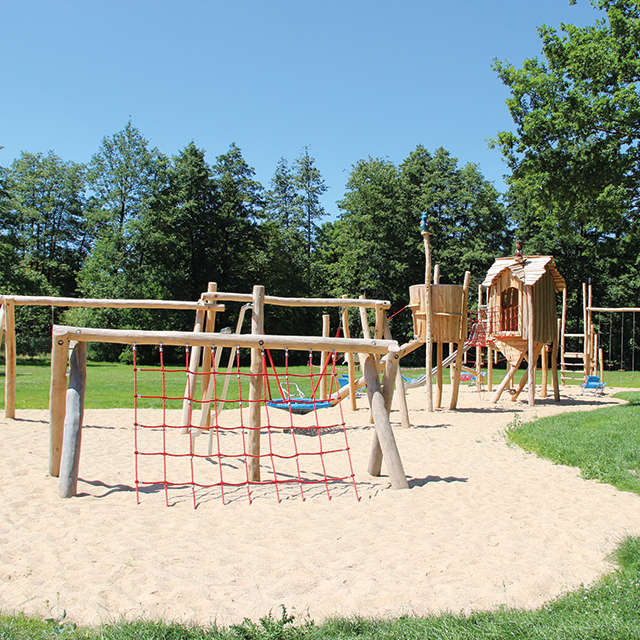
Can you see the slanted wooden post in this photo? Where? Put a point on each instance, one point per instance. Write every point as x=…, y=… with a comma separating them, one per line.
x=194, y=362
x=384, y=443
x=399, y=382
x=533, y=354
x=255, y=387
x=350, y=358
x=507, y=379
x=209, y=327
x=72, y=439
x=9, y=359
x=57, y=400
x=326, y=329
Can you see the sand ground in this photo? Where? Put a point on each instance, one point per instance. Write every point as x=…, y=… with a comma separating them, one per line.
x=482, y=525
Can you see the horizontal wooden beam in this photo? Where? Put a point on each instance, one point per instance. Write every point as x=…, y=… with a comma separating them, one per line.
x=614, y=310
x=52, y=301
x=299, y=302
x=251, y=341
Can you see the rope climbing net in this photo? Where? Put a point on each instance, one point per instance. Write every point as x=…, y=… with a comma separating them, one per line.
x=304, y=448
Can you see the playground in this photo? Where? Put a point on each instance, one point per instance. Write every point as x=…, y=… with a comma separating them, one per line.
x=483, y=524
x=358, y=498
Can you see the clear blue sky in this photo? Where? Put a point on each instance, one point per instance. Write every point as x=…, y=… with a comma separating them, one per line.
x=349, y=78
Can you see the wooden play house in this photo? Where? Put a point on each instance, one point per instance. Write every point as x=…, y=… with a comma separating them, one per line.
x=447, y=323
x=522, y=317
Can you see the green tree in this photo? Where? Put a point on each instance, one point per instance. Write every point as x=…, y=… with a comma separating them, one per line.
x=241, y=206
x=577, y=116
x=311, y=186
x=44, y=218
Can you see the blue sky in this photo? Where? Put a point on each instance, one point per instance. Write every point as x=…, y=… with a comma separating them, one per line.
x=347, y=78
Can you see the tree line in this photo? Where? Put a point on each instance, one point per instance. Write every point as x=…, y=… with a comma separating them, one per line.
x=136, y=223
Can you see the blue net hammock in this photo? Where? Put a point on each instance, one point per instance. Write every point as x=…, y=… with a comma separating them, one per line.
x=298, y=405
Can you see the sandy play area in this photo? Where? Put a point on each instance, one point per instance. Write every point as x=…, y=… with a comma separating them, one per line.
x=482, y=525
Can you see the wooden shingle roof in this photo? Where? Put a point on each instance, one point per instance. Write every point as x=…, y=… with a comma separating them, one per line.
x=528, y=271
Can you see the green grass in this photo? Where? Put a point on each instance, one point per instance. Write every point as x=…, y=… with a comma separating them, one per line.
x=603, y=444
x=607, y=610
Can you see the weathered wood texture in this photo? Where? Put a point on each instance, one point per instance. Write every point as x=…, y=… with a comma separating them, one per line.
x=255, y=386
x=246, y=340
x=72, y=438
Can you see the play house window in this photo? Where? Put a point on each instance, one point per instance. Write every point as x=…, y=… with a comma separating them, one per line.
x=509, y=310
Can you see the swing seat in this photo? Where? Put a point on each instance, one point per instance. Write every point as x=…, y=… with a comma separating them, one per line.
x=299, y=406
x=593, y=385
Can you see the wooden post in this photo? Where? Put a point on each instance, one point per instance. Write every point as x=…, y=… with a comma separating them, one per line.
x=194, y=361
x=209, y=327
x=531, y=347
x=350, y=359
x=489, y=368
x=9, y=359
x=255, y=387
x=428, y=317
x=545, y=370
x=439, y=348
x=399, y=382
x=57, y=396
x=2, y=326
x=326, y=329
x=585, y=324
x=563, y=330
x=554, y=364
x=463, y=336
x=384, y=444
x=72, y=439
x=601, y=361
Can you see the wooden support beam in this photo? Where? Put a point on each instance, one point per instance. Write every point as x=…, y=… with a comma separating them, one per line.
x=324, y=355
x=255, y=386
x=10, y=373
x=57, y=401
x=463, y=336
x=350, y=359
x=533, y=360
x=554, y=363
x=72, y=438
x=194, y=363
x=384, y=445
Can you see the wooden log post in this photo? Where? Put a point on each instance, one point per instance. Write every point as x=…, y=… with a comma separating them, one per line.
x=209, y=327
x=2, y=325
x=350, y=359
x=72, y=438
x=563, y=329
x=489, y=368
x=9, y=359
x=384, y=443
x=326, y=329
x=463, y=336
x=194, y=361
x=399, y=381
x=57, y=401
x=255, y=387
x=545, y=370
x=533, y=354
x=554, y=364
x=428, y=318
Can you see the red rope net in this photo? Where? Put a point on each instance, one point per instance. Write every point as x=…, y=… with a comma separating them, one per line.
x=304, y=446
